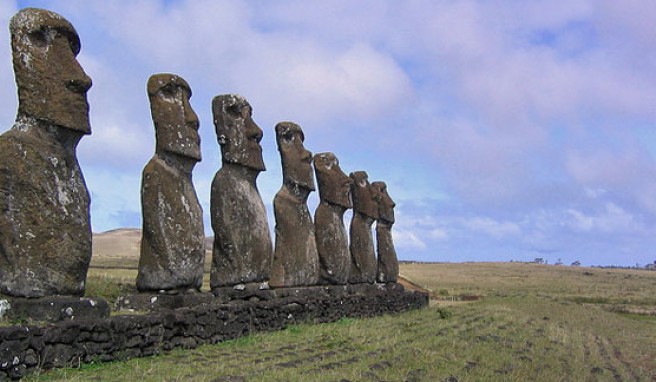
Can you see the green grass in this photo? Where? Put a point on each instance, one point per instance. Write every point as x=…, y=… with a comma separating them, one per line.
x=534, y=322
x=110, y=283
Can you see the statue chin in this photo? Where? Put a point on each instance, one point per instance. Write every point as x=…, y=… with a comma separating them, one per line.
x=252, y=160
x=74, y=119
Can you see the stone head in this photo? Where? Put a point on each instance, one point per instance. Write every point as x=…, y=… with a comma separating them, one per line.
x=238, y=135
x=176, y=123
x=363, y=195
x=385, y=203
x=296, y=160
x=334, y=185
x=52, y=86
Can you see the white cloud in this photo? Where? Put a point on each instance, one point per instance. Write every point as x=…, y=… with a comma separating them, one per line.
x=295, y=74
x=602, y=167
x=594, y=193
x=491, y=227
x=438, y=234
x=613, y=219
x=412, y=232
x=630, y=171
x=408, y=240
x=125, y=147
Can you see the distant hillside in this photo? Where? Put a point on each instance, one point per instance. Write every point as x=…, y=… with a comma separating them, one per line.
x=120, y=248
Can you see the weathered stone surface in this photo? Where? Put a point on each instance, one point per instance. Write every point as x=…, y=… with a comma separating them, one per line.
x=52, y=85
x=242, y=249
x=248, y=291
x=159, y=301
x=58, y=308
x=365, y=212
x=320, y=292
x=295, y=258
x=388, y=263
x=330, y=232
x=173, y=237
x=45, y=234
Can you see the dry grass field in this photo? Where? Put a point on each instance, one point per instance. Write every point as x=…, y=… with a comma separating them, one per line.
x=487, y=322
x=116, y=248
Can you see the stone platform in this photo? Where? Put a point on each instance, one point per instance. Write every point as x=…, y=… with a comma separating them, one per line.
x=248, y=292
x=120, y=337
x=53, y=308
x=160, y=301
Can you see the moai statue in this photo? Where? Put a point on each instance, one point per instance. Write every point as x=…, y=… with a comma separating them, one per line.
x=365, y=212
x=388, y=264
x=331, y=236
x=242, y=250
x=295, y=259
x=45, y=233
x=173, y=238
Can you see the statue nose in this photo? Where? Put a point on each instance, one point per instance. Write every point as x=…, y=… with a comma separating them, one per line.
x=306, y=156
x=191, y=118
x=79, y=85
x=253, y=131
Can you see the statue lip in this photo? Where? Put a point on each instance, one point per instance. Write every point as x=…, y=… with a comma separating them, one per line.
x=255, y=145
x=195, y=124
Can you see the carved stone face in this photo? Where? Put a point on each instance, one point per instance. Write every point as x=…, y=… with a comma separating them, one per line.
x=334, y=185
x=385, y=203
x=176, y=123
x=52, y=86
x=237, y=133
x=363, y=195
x=296, y=160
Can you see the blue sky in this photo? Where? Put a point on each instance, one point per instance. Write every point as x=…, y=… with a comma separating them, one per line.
x=504, y=129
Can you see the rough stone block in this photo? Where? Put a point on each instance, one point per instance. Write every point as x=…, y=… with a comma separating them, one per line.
x=159, y=301
x=247, y=291
x=57, y=308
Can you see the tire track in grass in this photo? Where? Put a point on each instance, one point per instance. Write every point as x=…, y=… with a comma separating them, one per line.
x=620, y=357
x=607, y=359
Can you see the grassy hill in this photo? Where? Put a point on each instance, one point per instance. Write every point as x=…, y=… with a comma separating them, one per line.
x=487, y=322
x=116, y=248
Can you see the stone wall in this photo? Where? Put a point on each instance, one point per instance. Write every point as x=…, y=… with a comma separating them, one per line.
x=70, y=343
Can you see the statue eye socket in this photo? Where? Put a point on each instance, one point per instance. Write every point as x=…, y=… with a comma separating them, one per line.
x=39, y=38
x=235, y=110
x=289, y=137
x=169, y=91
